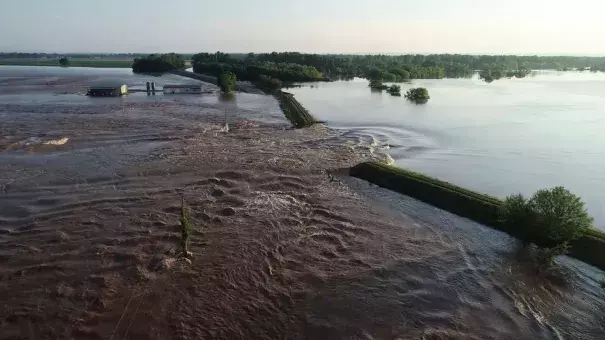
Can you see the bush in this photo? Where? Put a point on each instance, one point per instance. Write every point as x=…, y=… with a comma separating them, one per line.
x=63, y=62
x=227, y=81
x=550, y=219
x=394, y=90
x=377, y=85
x=418, y=95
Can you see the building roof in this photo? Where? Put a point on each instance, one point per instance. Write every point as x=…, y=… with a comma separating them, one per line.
x=196, y=86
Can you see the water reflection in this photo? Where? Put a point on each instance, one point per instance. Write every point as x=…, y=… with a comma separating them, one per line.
x=227, y=98
x=513, y=135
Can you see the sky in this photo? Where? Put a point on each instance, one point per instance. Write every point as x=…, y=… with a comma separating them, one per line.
x=313, y=26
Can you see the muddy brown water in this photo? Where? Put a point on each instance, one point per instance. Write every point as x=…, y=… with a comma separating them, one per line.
x=286, y=246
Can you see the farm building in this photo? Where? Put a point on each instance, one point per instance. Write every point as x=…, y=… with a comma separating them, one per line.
x=108, y=90
x=183, y=88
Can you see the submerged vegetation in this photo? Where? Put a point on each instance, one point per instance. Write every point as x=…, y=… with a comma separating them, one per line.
x=294, y=66
x=394, y=90
x=377, y=84
x=551, y=219
x=419, y=95
x=491, y=74
x=555, y=220
x=158, y=63
x=227, y=82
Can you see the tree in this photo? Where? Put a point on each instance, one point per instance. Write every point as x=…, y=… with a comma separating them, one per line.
x=550, y=219
x=155, y=63
x=395, y=90
x=377, y=84
x=64, y=62
x=418, y=95
x=227, y=82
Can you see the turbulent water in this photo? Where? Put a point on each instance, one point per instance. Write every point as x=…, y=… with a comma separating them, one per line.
x=509, y=136
x=285, y=245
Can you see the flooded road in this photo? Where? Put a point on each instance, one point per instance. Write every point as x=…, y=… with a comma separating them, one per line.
x=285, y=245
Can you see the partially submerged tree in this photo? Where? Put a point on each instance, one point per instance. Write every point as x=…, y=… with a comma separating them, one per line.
x=377, y=84
x=550, y=219
x=418, y=95
x=227, y=81
x=394, y=90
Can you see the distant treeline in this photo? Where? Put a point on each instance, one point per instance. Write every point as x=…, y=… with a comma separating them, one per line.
x=253, y=70
x=158, y=63
x=294, y=66
x=17, y=55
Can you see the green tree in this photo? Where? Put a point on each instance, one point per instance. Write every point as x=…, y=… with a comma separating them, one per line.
x=377, y=84
x=158, y=63
x=418, y=95
x=394, y=90
x=550, y=219
x=227, y=82
x=64, y=62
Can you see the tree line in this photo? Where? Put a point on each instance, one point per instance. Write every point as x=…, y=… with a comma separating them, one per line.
x=294, y=66
x=158, y=63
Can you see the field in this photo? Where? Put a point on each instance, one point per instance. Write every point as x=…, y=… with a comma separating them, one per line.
x=113, y=63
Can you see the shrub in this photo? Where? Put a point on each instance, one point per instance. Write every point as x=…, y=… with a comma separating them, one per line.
x=64, y=62
x=418, y=95
x=377, y=84
x=394, y=90
x=227, y=81
x=550, y=219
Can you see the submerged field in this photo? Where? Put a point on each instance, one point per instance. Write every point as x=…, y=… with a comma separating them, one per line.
x=285, y=244
x=109, y=63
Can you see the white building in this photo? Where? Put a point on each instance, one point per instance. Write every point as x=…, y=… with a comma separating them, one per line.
x=183, y=88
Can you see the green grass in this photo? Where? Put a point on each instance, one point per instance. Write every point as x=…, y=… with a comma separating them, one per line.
x=72, y=63
x=479, y=207
x=294, y=111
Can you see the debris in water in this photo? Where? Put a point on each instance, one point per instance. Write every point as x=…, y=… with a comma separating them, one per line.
x=60, y=141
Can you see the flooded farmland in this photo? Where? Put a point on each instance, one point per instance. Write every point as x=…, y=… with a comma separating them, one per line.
x=285, y=245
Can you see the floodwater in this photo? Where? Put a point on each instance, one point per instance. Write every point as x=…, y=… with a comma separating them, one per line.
x=285, y=245
x=510, y=136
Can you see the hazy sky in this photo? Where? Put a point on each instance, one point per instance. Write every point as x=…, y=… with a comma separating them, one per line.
x=330, y=26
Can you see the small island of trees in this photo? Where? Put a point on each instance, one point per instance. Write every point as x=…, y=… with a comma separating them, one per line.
x=158, y=63
x=377, y=85
x=418, y=95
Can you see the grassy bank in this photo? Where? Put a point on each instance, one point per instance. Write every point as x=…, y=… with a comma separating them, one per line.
x=72, y=63
x=466, y=203
x=294, y=111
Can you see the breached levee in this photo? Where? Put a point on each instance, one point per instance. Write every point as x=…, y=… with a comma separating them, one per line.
x=466, y=203
x=294, y=111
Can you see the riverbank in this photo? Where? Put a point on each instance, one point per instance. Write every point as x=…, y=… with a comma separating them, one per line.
x=285, y=244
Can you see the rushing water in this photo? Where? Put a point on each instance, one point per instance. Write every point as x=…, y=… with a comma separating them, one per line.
x=513, y=135
x=282, y=251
